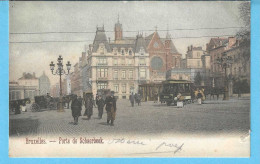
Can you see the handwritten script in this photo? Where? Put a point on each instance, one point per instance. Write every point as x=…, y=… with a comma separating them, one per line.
x=162, y=146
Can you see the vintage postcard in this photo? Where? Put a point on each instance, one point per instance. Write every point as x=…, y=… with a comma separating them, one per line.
x=129, y=79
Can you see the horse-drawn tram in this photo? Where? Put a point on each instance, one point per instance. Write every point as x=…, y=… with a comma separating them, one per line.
x=175, y=91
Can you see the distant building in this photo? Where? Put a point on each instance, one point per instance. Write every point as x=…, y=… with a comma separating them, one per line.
x=185, y=74
x=29, y=80
x=215, y=48
x=76, y=82
x=17, y=91
x=44, y=84
x=193, y=57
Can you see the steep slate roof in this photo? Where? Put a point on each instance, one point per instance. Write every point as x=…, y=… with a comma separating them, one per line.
x=100, y=38
x=173, y=48
x=27, y=76
x=140, y=42
x=220, y=41
x=148, y=39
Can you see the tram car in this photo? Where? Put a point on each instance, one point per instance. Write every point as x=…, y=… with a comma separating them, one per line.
x=177, y=90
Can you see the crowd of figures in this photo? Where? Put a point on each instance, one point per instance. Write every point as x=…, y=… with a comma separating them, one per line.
x=135, y=98
x=109, y=102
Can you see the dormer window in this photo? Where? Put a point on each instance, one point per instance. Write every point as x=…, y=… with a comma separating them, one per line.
x=122, y=52
x=141, y=51
x=130, y=52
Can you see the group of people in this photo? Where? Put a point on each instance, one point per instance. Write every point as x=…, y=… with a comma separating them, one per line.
x=135, y=98
x=109, y=101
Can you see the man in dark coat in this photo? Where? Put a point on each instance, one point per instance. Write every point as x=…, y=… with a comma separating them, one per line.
x=132, y=99
x=76, y=109
x=138, y=98
x=88, y=100
x=100, y=104
x=111, y=108
x=17, y=108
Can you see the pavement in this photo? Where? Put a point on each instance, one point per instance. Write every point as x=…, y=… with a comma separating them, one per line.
x=212, y=117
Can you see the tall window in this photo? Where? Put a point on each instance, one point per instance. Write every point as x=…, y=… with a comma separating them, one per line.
x=130, y=52
x=142, y=61
x=123, y=88
x=130, y=61
x=102, y=72
x=116, y=88
x=123, y=52
x=142, y=73
x=102, y=61
x=115, y=74
x=131, y=88
x=115, y=61
x=102, y=85
x=123, y=74
x=130, y=74
x=198, y=62
x=123, y=61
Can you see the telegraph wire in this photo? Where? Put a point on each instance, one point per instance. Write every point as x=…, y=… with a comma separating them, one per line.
x=89, y=32
x=75, y=41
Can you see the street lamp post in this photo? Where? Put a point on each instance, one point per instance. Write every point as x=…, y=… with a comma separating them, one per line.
x=60, y=71
x=225, y=62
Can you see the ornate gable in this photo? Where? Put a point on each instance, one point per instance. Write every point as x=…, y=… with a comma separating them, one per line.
x=156, y=43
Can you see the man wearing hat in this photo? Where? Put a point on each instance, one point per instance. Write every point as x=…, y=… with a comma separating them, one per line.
x=76, y=109
x=111, y=108
x=88, y=99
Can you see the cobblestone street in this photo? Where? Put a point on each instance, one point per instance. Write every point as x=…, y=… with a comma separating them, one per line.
x=213, y=117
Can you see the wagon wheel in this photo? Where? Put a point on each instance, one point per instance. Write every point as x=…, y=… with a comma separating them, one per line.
x=35, y=107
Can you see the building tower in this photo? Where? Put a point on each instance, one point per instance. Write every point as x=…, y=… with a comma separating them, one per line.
x=118, y=31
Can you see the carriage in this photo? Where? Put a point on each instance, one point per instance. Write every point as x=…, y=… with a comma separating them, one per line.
x=20, y=102
x=44, y=102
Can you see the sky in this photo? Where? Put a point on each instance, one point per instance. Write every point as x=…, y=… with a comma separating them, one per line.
x=34, y=17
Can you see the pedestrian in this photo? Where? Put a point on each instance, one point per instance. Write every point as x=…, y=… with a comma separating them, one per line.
x=100, y=103
x=132, y=99
x=80, y=103
x=76, y=109
x=17, y=108
x=111, y=108
x=96, y=100
x=155, y=97
x=138, y=99
x=199, y=97
x=88, y=105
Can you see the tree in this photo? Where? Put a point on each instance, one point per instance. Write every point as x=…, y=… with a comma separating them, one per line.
x=244, y=34
x=198, y=79
x=245, y=16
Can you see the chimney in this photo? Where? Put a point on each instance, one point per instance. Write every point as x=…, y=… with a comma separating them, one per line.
x=109, y=40
x=191, y=47
x=90, y=47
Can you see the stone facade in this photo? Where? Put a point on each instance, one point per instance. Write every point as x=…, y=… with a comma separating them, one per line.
x=29, y=80
x=125, y=63
x=44, y=84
